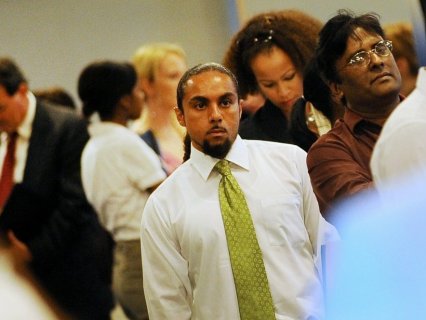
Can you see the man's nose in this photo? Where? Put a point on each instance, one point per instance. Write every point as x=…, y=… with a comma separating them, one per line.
x=215, y=114
x=375, y=59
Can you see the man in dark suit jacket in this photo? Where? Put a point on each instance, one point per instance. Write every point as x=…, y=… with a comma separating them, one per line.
x=46, y=218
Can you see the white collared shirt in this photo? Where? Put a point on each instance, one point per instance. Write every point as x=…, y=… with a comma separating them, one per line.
x=186, y=266
x=22, y=142
x=117, y=168
x=400, y=150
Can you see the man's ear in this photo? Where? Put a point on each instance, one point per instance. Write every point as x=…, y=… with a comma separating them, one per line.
x=180, y=116
x=23, y=88
x=336, y=92
x=240, y=106
x=21, y=94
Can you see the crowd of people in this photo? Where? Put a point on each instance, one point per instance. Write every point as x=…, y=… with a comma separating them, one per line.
x=217, y=191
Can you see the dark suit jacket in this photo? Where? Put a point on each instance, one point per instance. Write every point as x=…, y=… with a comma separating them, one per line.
x=72, y=253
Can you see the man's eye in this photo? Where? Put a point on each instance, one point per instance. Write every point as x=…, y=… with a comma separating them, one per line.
x=358, y=58
x=199, y=105
x=226, y=103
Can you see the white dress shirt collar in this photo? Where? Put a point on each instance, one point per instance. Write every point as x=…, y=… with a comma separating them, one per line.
x=237, y=155
x=106, y=127
x=24, y=130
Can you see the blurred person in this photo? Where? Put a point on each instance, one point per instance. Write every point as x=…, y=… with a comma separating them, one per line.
x=404, y=52
x=268, y=55
x=400, y=150
x=45, y=214
x=251, y=103
x=119, y=171
x=159, y=67
x=209, y=253
x=57, y=96
x=357, y=62
x=377, y=270
x=21, y=297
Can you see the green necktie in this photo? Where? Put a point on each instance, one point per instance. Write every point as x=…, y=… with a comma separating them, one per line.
x=254, y=296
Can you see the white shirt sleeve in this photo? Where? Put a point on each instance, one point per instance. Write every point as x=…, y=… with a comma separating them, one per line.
x=143, y=167
x=165, y=275
x=401, y=153
x=320, y=232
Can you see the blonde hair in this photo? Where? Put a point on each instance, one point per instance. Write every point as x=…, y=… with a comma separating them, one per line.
x=148, y=58
x=146, y=61
x=401, y=34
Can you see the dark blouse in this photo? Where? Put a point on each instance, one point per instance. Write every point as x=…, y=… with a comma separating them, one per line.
x=268, y=123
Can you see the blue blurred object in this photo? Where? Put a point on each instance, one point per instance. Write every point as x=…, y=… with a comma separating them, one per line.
x=379, y=271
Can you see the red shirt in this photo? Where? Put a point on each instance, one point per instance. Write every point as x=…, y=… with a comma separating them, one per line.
x=339, y=161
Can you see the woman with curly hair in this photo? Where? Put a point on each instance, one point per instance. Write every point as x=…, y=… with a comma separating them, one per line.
x=268, y=55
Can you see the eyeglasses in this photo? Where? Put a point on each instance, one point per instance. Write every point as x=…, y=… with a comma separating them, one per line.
x=363, y=58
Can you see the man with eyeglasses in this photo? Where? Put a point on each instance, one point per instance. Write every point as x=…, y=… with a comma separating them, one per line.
x=356, y=62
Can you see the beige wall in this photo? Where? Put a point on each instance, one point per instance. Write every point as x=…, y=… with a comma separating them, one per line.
x=389, y=10
x=52, y=40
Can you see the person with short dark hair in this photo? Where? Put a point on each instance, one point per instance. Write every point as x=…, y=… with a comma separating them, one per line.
x=119, y=170
x=315, y=113
x=56, y=95
x=356, y=61
x=235, y=232
x=46, y=216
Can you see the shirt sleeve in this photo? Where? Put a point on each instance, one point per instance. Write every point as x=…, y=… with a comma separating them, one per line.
x=144, y=166
x=321, y=233
x=335, y=173
x=167, y=287
x=399, y=154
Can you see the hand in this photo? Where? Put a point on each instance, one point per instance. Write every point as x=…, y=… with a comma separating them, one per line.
x=18, y=249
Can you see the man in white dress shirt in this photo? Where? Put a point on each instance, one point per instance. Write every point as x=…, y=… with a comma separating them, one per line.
x=401, y=148
x=186, y=263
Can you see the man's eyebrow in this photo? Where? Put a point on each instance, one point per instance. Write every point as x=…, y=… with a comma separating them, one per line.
x=198, y=98
x=228, y=95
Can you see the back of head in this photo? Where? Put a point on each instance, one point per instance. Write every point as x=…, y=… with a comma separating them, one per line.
x=316, y=91
x=293, y=31
x=102, y=84
x=10, y=75
x=334, y=36
x=401, y=35
x=57, y=96
x=148, y=58
x=198, y=69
